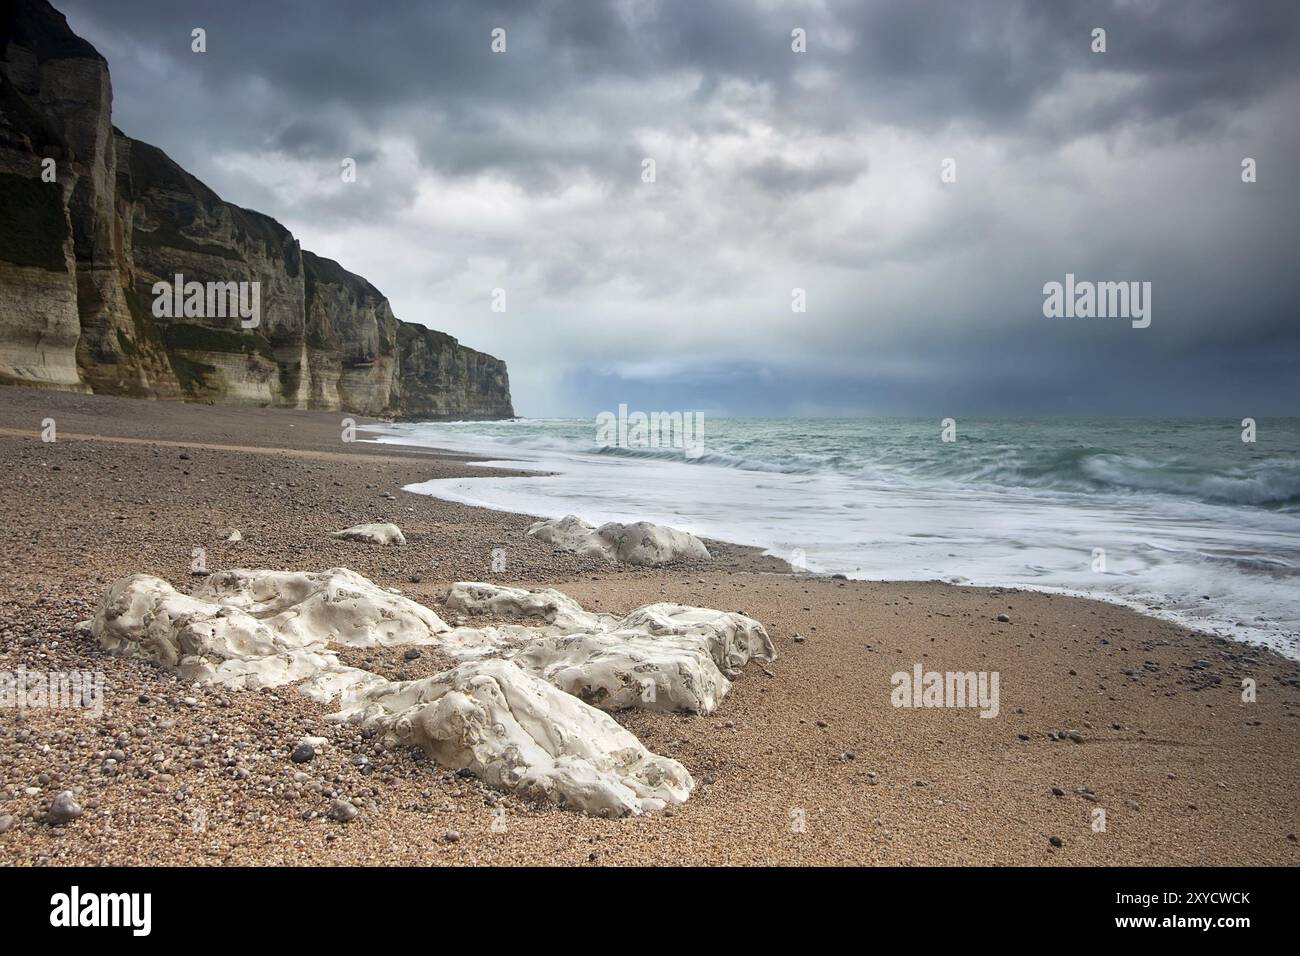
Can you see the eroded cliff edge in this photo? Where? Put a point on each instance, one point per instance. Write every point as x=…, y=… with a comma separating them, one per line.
x=79, y=257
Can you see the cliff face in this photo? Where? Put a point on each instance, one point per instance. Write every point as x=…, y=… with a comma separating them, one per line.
x=80, y=255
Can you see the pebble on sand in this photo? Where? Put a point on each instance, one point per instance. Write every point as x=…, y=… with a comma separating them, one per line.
x=302, y=753
x=63, y=810
x=342, y=810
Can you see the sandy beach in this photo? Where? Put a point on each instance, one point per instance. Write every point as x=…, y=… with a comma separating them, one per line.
x=806, y=762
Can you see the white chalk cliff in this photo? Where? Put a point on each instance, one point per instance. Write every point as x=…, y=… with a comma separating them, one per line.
x=82, y=251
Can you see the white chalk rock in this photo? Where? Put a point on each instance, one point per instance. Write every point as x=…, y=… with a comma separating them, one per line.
x=733, y=639
x=649, y=544
x=208, y=643
x=513, y=712
x=388, y=534
x=663, y=656
x=546, y=605
x=571, y=533
x=337, y=606
x=520, y=733
x=623, y=669
x=476, y=643
x=250, y=629
x=234, y=537
x=641, y=543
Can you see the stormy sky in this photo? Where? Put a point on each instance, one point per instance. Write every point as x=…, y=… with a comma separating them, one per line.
x=774, y=170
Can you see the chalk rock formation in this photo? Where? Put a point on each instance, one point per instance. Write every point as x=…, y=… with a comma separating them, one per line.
x=337, y=606
x=621, y=669
x=210, y=643
x=520, y=733
x=660, y=657
x=649, y=544
x=571, y=533
x=642, y=543
x=732, y=639
x=546, y=605
x=388, y=534
x=517, y=710
x=80, y=254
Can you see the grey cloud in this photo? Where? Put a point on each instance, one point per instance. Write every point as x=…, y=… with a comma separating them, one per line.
x=775, y=169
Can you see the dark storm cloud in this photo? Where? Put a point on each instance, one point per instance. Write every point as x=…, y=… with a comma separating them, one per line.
x=774, y=170
x=921, y=64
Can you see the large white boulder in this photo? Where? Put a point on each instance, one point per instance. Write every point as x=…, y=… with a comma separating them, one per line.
x=388, y=534
x=337, y=606
x=571, y=533
x=622, y=669
x=659, y=657
x=641, y=543
x=733, y=640
x=517, y=710
x=520, y=733
x=649, y=544
x=545, y=605
x=209, y=643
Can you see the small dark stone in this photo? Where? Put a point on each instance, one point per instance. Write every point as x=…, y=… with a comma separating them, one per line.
x=451, y=836
x=63, y=810
x=1058, y=792
x=1056, y=841
x=302, y=753
x=1004, y=619
x=412, y=654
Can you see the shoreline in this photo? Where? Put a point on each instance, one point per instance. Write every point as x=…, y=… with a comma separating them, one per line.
x=1185, y=772
x=1223, y=623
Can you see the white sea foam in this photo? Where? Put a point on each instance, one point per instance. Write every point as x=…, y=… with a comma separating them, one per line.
x=1225, y=569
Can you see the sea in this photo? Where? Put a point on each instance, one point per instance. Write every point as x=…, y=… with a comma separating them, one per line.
x=1179, y=518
